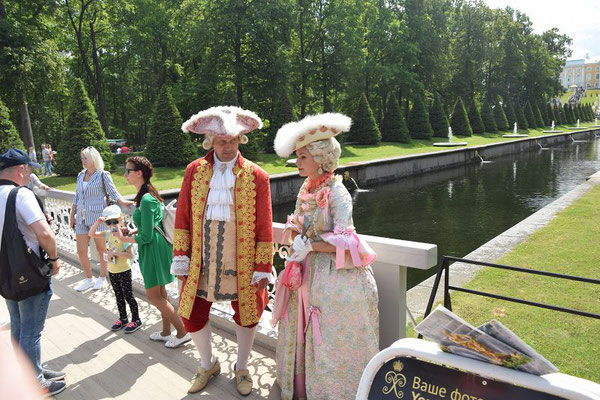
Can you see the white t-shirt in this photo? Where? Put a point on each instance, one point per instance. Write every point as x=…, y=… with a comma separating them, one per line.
x=28, y=212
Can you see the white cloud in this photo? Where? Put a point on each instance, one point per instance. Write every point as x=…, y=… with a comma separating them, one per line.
x=577, y=19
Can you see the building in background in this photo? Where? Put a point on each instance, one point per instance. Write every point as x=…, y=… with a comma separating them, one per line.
x=581, y=73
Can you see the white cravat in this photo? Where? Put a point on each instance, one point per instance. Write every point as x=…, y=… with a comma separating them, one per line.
x=219, y=196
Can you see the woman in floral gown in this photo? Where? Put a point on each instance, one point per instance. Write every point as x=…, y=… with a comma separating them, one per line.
x=326, y=302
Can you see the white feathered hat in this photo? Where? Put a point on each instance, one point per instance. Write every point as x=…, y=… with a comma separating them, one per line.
x=223, y=121
x=295, y=135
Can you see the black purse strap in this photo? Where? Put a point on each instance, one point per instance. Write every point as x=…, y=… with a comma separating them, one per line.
x=107, y=198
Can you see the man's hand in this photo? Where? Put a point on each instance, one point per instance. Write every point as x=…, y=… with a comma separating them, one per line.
x=55, y=267
x=262, y=284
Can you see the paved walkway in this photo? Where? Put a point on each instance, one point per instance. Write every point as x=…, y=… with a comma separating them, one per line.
x=101, y=364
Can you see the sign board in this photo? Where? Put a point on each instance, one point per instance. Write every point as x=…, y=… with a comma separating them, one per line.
x=414, y=369
x=413, y=379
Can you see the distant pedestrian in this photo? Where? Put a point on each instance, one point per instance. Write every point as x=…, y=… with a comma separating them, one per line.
x=32, y=155
x=119, y=270
x=27, y=316
x=47, y=159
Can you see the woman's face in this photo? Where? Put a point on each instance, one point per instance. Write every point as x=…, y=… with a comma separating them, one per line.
x=85, y=162
x=307, y=166
x=132, y=174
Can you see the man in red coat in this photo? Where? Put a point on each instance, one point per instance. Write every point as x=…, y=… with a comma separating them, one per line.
x=223, y=239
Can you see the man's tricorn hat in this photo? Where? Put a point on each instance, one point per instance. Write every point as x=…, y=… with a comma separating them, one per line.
x=295, y=135
x=223, y=121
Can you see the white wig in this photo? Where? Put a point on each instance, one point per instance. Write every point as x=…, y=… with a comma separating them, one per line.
x=93, y=156
x=207, y=143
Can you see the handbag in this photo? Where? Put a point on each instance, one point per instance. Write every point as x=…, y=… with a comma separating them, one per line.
x=168, y=221
x=22, y=272
x=291, y=277
x=107, y=199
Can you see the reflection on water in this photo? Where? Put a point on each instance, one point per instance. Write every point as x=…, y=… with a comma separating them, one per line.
x=459, y=209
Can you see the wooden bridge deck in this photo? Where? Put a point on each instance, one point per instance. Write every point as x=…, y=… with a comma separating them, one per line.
x=101, y=364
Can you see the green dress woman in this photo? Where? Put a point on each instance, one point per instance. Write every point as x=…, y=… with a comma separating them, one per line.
x=154, y=251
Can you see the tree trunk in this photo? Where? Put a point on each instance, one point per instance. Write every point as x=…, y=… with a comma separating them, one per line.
x=326, y=102
x=98, y=82
x=239, y=67
x=2, y=10
x=25, y=122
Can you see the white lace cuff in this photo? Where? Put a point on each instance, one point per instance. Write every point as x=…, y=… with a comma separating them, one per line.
x=180, y=265
x=258, y=276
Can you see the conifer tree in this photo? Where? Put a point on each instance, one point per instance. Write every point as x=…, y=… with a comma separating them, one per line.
x=500, y=117
x=568, y=114
x=576, y=113
x=438, y=118
x=82, y=129
x=282, y=114
x=167, y=145
x=364, y=129
x=521, y=119
x=460, y=121
x=418, y=123
x=551, y=116
x=487, y=116
x=557, y=111
x=9, y=137
x=511, y=117
x=475, y=119
x=544, y=112
x=539, y=120
x=564, y=115
x=393, y=126
x=530, y=116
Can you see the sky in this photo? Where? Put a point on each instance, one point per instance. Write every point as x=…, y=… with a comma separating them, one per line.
x=578, y=19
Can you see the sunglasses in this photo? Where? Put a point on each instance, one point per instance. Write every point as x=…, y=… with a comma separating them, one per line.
x=128, y=170
x=111, y=222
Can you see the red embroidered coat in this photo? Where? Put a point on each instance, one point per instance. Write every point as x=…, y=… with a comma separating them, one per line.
x=254, y=231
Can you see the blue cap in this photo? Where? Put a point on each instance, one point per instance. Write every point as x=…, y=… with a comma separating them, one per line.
x=15, y=157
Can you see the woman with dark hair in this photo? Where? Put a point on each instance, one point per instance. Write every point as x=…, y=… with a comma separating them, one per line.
x=155, y=253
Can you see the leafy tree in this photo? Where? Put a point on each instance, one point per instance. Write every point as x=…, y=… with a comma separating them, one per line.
x=459, y=120
x=167, y=144
x=418, y=120
x=82, y=129
x=539, y=121
x=9, y=137
x=510, y=114
x=522, y=121
x=500, y=117
x=438, y=118
x=282, y=114
x=531, y=122
x=487, y=116
x=393, y=126
x=475, y=118
x=364, y=130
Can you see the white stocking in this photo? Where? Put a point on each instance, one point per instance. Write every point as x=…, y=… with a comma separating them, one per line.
x=202, y=340
x=245, y=338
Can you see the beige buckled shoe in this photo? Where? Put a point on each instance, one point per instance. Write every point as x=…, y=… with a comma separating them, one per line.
x=243, y=381
x=200, y=380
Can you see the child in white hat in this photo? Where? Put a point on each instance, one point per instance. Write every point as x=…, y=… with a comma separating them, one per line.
x=117, y=255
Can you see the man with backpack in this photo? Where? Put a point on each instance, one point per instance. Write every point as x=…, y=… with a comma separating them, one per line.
x=26, y=284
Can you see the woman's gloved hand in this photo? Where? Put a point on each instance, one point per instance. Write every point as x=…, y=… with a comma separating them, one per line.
x=300, y=248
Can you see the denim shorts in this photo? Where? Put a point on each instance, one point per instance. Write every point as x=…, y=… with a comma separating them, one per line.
x=83, y=229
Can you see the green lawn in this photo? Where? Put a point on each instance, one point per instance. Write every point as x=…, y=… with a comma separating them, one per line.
x=170, y=178
x=568, y=245
x=591, y=96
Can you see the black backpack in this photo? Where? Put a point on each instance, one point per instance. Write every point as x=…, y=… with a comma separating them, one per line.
x=22, y=272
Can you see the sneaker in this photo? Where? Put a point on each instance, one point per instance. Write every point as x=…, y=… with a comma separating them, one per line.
x=118, y=325
x=175, y=342
x=85, y=285
x=50, y=375
x=50, y=388
x=158, y=337
x=100, y=282
x=133, y=326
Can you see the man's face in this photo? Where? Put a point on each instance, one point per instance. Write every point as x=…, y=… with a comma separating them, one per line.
x=226, y=148
x=25, y=172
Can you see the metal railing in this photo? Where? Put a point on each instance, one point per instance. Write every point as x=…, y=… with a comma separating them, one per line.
x=393, y=258
x=445, y=270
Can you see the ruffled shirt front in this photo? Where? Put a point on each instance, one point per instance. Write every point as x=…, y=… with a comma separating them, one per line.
x=220, y=199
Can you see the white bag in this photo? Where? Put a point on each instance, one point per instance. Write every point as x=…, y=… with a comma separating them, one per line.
x=168, y=221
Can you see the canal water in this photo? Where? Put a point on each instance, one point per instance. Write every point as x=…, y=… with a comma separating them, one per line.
x=461, y=208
